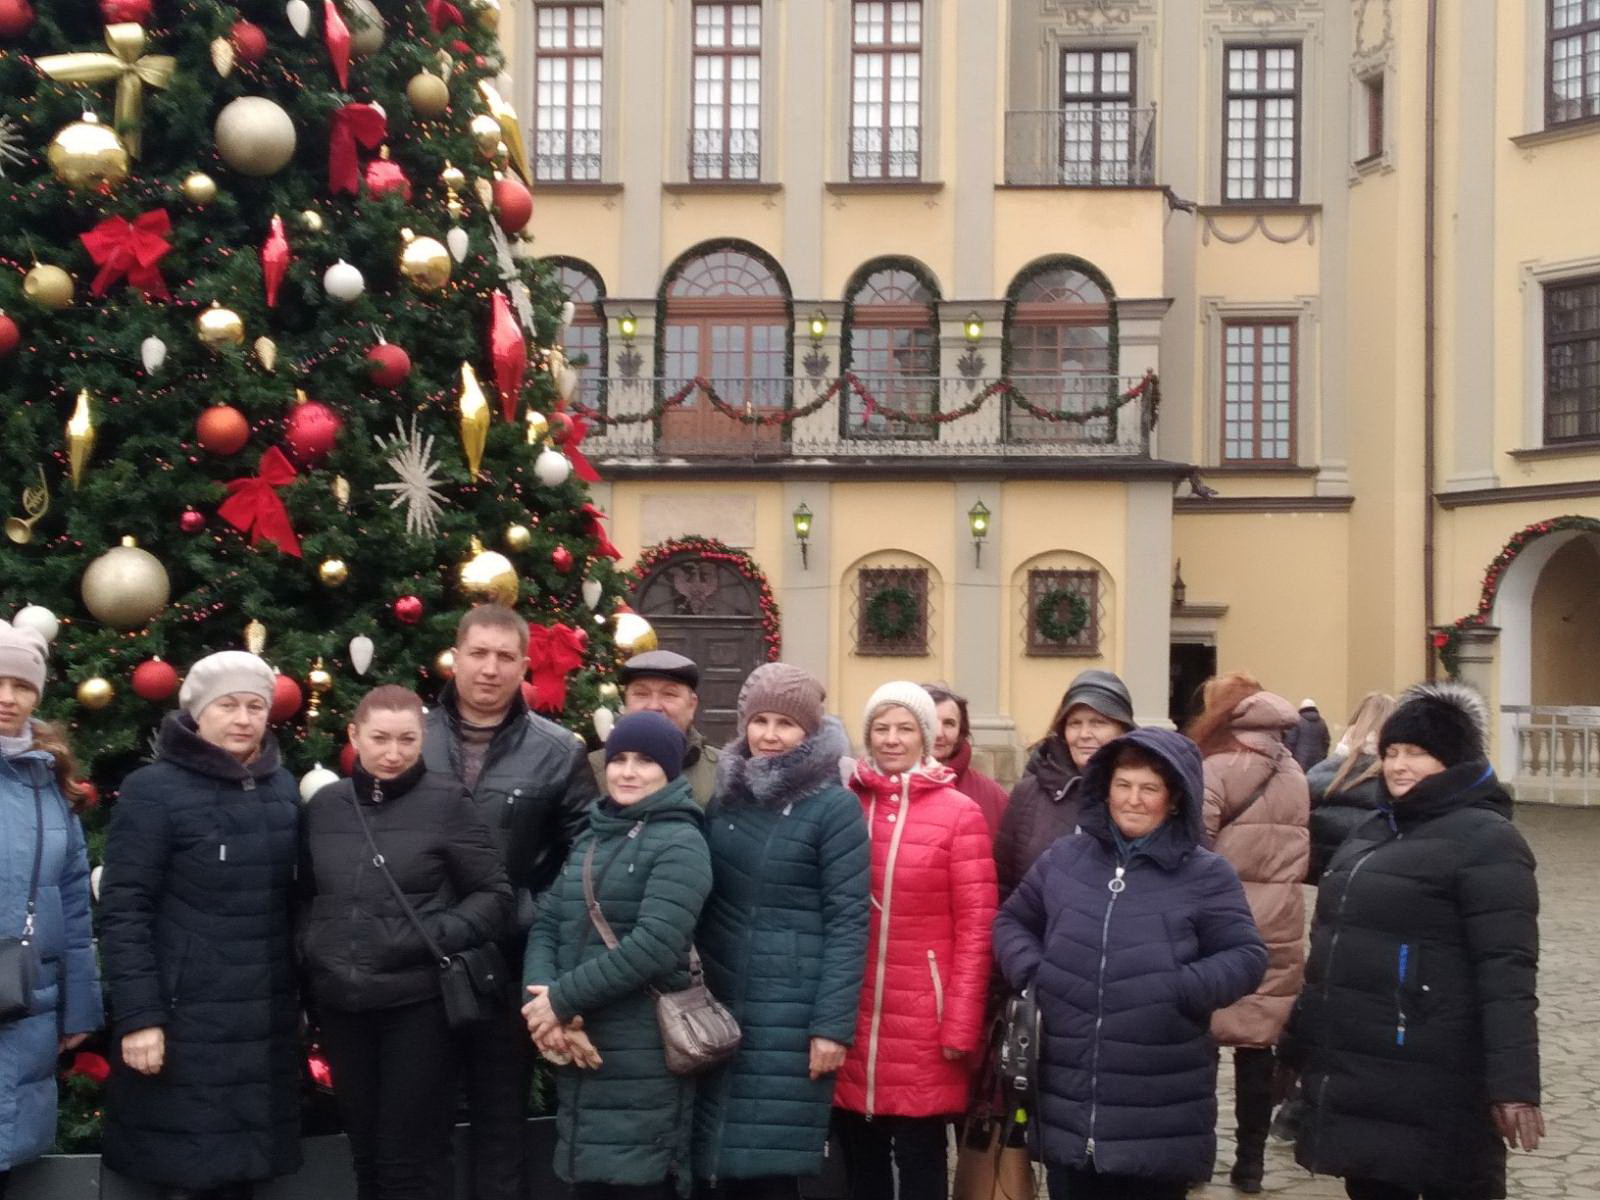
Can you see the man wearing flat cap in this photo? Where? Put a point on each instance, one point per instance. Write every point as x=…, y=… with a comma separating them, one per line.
x=667, y=683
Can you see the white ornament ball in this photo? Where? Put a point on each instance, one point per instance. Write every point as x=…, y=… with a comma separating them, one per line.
x=361, y=653
x=568, y=311
x=94, y=883
x=39, y=619
x=342, y=281
x=552, y=467
x=456, y=239
x=152, y=352
x=604, y=719
x=366, y=28
x=591, y=592
x=314, y=780
x=299, y=13
x=255, y=136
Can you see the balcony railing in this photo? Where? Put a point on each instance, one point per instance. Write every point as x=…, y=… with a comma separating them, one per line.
x=1557, y=753
x=866, y=416
x=1081, y=147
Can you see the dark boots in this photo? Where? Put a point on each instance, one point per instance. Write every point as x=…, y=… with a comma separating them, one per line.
x=1252, y=1107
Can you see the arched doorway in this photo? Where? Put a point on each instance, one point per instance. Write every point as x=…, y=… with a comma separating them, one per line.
x=712, y=603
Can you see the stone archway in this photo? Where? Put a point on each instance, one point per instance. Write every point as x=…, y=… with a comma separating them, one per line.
x=710, y=602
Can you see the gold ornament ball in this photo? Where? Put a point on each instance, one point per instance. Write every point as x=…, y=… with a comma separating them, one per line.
x=319, y=680
x=444, y=664
x=87, y=154
x=486, y=132
x=453, y=178
x=609, y=690
x=489, y=577
x=538, y=427
x=634, y=635
x=332, y=572
x=95, y=693
x=429, y=95
x=311, y=221
x=255, y=136
x=199, y=189
x=218, y=327
x=48, y=286
x=518, y=537
x=126, y=586
x=425, y=263
x=366, y=28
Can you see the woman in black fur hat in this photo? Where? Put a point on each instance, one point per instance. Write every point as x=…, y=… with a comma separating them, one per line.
x=1416, y=1031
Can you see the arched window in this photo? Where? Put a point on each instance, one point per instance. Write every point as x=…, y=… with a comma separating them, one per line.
x=725, y=314
x=1060, y=347
x=587, y=333
x=891, y=311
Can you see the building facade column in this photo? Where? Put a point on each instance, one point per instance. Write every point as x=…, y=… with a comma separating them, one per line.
x=977, y=617
x=1147, y=601
x=805, y=590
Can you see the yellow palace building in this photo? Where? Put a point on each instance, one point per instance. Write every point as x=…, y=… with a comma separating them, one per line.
x=990, y=340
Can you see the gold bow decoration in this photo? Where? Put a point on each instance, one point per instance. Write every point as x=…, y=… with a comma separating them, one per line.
x=127, y=63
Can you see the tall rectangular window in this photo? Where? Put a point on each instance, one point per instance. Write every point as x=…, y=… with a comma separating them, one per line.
x=1572, y=61
x=1096, y=117
x=567, y=47
x=726, y=130
x=1372, y=99
x=886, y=90
x=1572, y=360
x=1261, y=126
x=1258, y=392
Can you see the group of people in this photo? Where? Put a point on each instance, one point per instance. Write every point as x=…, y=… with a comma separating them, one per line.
x=864, y=916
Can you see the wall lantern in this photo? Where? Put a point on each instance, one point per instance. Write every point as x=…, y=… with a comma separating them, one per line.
x=628, y=325
x=978, y=520
x=819, y=326
x=802, y=532
x=973, y=327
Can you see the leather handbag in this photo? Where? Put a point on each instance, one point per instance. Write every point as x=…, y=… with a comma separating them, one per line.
x=697, y=1030
x=1017, y=1056
x=19, y=957
x=472, y=981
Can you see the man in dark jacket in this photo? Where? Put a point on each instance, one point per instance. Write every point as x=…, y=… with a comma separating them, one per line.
x=532, y=787
x=1308, y=741
x=664, y=682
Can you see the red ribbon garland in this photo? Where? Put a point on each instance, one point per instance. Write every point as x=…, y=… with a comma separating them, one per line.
x=442, y=14
x=133, y=249
x=253, y=505
x=554, y=651
x=581, y=465
x=509, y=354
x=594, y=527
x=274, y=260
x=352, y=124
x=336, y=36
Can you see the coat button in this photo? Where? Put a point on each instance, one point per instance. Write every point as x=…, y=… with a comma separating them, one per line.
x=891, y=817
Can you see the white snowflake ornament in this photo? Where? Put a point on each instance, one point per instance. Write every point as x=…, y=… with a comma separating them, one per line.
x=411, y=458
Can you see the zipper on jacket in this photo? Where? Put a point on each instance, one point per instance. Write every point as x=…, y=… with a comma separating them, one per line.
x=1333, y=950
x=938, y=986
x=1115, y=885
x=1400, y=994
x=900, y=822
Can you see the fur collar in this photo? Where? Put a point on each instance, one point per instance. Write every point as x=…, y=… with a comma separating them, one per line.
x=180, y=744
x=783, y=778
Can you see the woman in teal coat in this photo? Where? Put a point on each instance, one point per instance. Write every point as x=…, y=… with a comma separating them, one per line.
x=784, y=937
x=623, y=1119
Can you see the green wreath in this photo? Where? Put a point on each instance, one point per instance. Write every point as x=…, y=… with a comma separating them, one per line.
x=1051, y=624
x=891, y=614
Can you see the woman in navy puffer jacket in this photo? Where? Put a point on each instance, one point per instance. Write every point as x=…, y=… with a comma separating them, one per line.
x=1130, y=936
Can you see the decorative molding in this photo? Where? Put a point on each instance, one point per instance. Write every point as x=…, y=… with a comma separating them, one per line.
x=1262, y=14
x=1557, y=450
x=1577, y=490
x=1232, y=505
x=971, y=365
x=816, y=362
x=1095, y=16
x=862, y=470
x=629, y=362
x=1373, y=30
x=1259, y=223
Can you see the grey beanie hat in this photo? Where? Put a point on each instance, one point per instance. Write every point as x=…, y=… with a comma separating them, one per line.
x=223, y=674
x=787, y=690
x=1102, y=691
x=23, y=653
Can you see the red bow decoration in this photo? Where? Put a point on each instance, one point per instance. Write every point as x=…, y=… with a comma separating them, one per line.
x=253, y=505
x=581, y=466
x=274, y=259
x=509, y=354
x=442, y=14
x=594, y=527
x=120, y=247
x=352, y=124
x=90, y=1066
x=554, y=651
x=336, y=36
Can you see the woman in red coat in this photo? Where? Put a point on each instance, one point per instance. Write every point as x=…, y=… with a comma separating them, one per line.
x=922, y=1001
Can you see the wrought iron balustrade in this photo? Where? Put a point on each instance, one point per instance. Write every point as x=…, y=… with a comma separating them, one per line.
x=1087, y=146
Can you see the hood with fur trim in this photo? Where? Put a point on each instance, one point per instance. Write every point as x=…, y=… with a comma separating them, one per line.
x=743, y=779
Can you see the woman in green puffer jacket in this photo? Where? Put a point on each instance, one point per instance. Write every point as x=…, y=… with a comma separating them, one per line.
x=623, y=1120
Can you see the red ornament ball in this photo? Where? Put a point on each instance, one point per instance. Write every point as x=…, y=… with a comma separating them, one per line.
x=154, y=680
x=88, y=794
x=311, y=431
x=388, y=365
x=249, y=42
x=191, y=521
x=286, y=699
x=561, y=559
x=347, y=760
x=16, y=17
x=10, y=336
x=408, y=610
x=222, y=430
x=513, y=205
x=384, y=175
x=560, y=427
x=117, y=11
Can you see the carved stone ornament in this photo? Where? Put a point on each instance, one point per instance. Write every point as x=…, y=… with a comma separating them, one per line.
x=1093, y=16
x=1374, y=27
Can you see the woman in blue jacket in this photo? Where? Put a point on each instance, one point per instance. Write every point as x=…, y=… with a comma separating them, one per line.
x=1130, y=937
x=39, y=828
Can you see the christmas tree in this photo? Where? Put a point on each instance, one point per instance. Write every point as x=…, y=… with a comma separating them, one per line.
x=264, y=315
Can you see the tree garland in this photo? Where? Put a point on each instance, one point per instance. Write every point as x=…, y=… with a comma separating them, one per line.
x=712, y=550
x=1048, y=621
x=891, y=614
x=1447, y=641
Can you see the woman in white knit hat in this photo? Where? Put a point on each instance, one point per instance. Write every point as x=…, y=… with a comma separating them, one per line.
x=196, y=938
x=922, y=1002
x=44, y=898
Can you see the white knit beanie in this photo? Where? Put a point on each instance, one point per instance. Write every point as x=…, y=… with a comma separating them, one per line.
x=223, y=674
x=906, y=695
x=23, y=652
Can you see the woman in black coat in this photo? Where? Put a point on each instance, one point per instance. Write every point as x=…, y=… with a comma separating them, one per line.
x=1416, y=1031
x=196, y=941
x=1345, y=787
x=374, y=981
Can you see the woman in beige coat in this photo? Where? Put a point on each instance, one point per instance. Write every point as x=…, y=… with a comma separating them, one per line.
x=1257, y=809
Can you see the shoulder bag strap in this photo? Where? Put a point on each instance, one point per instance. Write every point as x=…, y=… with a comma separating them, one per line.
x=377, y=860
x=38, y=858
x=603, y=926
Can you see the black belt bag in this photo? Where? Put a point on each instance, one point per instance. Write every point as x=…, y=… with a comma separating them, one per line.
x=19, y=957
